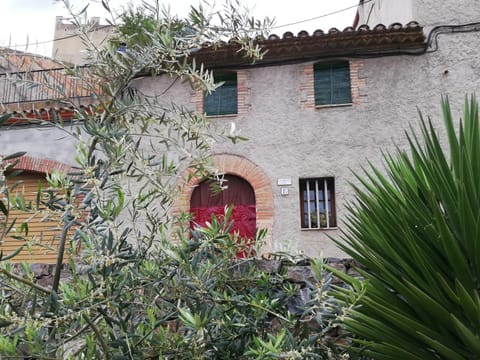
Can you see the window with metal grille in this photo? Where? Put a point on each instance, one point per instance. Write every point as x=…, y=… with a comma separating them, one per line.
x=332, y=84
x=317, y=203
x=222, y=101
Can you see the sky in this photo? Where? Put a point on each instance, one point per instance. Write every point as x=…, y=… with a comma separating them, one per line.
x=28, y=25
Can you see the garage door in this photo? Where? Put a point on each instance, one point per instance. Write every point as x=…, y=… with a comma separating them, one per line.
x=43, y=231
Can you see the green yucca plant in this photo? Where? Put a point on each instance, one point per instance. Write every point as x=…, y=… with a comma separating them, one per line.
x=416, y=229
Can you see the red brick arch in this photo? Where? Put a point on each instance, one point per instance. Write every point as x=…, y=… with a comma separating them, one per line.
x=240, y=166
x=40, y=165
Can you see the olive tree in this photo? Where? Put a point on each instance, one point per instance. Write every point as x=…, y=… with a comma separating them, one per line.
x=132, y=280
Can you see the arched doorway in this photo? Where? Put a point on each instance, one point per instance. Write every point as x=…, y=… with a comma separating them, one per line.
x=239, y=193
x=254, y=175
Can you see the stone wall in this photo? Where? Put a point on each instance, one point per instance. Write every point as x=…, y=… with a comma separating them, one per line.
x=296, y=271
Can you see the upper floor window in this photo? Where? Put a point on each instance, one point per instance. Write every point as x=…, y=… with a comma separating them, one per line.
x=317, y=203
x=224, y=100
x=332, y=84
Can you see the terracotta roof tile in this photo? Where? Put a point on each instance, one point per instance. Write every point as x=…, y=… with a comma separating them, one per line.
x=14, y=60
x=335, y=43
x=44, y=114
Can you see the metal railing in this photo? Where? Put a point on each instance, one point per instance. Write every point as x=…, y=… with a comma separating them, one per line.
x=42, y=85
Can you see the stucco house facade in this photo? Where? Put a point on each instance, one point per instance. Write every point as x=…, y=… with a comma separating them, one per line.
x=321, y=105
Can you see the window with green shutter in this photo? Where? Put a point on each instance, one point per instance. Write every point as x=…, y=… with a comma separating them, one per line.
x=332, y=84
x=222, y=101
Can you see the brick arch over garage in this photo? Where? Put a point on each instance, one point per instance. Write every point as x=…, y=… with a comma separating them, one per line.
x=40, y=165
x=244, y=168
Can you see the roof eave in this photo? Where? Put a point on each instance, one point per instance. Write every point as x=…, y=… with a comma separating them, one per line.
x=379, y=41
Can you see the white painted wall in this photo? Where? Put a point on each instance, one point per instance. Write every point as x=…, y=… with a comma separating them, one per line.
x=431, y=13
x=427, y=13
x=38, y=141
x=385, y=12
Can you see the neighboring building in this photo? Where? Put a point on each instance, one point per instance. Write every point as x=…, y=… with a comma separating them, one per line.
x=386, y=12
x=29, y=81
x=428, y=13
x=321, y=105
x=12, y=61
x=48, y=148
x=43, y=230
x=69, y=48
x=18, y=65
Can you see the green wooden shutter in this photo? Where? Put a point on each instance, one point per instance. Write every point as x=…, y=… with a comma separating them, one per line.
x=223, y=100
x=323, y=84
x=332, y=84
x=341, y=93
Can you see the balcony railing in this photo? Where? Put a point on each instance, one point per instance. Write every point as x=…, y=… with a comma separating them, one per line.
x=42, y=85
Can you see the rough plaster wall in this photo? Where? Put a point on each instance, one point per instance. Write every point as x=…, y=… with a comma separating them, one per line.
x=427, y=13
x=168, y=89
x=287, y=141
x=42, y=142
x=451, y=12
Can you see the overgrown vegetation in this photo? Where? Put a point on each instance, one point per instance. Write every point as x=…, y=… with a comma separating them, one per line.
x=417, y=231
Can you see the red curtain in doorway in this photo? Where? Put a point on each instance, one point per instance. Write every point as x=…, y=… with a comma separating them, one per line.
x=238, y=193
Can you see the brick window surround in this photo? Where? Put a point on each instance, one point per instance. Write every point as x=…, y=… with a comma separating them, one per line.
x=254, y=175
x=357, y=83
x=222, y=101
x=243, y=93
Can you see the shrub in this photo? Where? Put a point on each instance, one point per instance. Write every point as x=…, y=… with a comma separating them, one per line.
x=416, y=229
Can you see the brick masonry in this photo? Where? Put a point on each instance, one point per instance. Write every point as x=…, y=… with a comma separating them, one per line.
x=358, y=82
x=40, y=165
x=243, y=94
